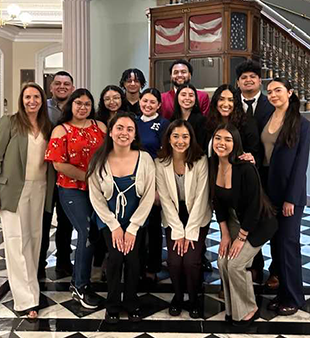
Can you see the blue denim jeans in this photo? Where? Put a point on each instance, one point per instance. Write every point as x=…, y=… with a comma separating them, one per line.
x=78, y=209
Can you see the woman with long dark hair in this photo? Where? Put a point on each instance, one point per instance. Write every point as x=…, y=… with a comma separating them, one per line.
x=186, y=107
x=72, y=145
x=23, y=190
x=122, y=192
x=286, y=140
x=226, y=107
x=112, y=99
x=246, y=222
x=151, y=127
x=182, y=184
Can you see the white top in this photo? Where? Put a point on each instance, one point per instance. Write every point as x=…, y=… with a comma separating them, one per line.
x=254, y=104
x=196, y=186
x=36, y=167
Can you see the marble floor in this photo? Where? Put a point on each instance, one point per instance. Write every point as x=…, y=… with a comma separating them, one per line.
x=61, y=317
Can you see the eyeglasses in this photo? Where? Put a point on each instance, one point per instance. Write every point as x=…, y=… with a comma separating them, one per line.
x=109, y=99
x=80, y=104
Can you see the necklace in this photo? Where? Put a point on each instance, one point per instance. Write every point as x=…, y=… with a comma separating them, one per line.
x=224, y=170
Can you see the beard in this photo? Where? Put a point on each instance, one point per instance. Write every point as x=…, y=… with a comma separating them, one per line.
x=177, y=85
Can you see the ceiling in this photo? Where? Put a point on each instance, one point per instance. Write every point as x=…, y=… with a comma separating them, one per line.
x=45, y=13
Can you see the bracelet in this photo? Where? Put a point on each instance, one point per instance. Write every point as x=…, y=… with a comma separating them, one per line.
x=242, y=233
x=241, y=239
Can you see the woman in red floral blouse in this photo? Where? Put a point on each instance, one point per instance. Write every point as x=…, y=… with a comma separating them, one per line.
x=73, y=143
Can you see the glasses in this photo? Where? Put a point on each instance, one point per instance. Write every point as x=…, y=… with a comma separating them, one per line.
x=109, y=99
x=80, y=104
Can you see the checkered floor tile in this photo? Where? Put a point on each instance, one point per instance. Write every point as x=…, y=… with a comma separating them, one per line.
x=61, y=317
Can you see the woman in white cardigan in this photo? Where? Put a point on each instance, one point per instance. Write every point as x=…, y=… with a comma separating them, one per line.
x=122, y=193
x=182, y=184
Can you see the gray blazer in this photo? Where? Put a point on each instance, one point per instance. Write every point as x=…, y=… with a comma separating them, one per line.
x=13, y=159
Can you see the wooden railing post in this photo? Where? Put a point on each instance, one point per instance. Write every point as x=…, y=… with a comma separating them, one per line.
x=283, y=56
x=276, y=54
x=264, y=27
x=289, y=61
x=307, y=68
x=270, y=51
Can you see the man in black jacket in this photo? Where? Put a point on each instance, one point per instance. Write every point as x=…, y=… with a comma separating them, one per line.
x=256, y=104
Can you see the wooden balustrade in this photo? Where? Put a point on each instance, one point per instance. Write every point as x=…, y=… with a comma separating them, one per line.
x=281, y=54
x=284, y=56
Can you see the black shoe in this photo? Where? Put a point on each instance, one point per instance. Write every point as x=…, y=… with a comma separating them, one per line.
x=175, y=307
x=194, y=313
x=206, y=264
x=111, y=318
x=228, y=319
x=135, y=316
x=246, y=323
x=85, y=296
x=174, y=310
x=274, y=304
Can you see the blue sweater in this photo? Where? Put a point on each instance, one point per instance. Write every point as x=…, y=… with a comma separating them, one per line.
x=151, y=133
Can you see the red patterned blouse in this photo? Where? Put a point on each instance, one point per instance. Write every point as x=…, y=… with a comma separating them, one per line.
x=77, y=148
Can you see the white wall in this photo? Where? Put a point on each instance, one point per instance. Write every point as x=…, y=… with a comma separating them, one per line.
x=6, y=47
x=119, y=40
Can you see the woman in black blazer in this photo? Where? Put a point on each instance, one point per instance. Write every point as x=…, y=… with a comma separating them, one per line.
x=286, y=140
x=246, y=220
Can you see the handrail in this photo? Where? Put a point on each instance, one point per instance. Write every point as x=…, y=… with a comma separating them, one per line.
x=290, y=28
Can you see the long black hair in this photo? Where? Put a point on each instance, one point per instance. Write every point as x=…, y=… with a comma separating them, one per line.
x=233, y=158
x=193, y=153
x=103, y=113
x=237, y=117
x=177, y=114
x=67, y=110
x=289, y=133
x=100, y=158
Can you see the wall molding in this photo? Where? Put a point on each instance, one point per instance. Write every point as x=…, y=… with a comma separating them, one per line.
x=16, y=34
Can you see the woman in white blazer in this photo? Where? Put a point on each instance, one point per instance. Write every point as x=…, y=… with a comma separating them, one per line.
x=182, y=184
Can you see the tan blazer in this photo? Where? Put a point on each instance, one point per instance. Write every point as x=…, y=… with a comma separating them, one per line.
x=196, y=198
x=13, y=160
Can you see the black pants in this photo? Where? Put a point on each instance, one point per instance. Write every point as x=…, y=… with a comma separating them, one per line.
x=189, y=265
x=155, y=241
x=258, y=262
x=131, y=264
x=63, y=235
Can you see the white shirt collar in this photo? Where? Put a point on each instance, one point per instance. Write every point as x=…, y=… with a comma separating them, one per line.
x=254, y=104
x=149, y=118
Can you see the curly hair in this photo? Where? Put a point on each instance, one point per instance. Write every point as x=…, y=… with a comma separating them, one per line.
x=237, y=117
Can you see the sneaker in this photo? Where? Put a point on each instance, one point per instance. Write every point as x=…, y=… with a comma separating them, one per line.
x=85, y=296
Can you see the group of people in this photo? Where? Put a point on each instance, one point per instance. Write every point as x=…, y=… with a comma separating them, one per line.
x=146, y=160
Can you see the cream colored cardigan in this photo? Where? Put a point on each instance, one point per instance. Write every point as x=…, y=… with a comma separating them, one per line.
x=101, y=190
x=196, y=198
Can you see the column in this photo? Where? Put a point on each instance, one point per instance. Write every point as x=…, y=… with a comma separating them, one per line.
x=76, y=40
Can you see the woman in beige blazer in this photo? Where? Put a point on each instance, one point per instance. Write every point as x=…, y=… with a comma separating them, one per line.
x=23, y=182
x=182, y=184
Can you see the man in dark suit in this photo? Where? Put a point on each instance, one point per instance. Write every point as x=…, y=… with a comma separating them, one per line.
x=181, y=72
x=256, y=104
